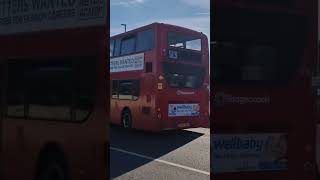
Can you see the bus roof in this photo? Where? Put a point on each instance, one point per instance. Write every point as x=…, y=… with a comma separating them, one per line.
x=154, y=25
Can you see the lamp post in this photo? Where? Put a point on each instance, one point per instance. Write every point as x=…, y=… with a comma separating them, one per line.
x=125, y=27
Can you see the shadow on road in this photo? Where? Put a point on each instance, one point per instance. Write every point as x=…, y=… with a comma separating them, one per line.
x=149, y=144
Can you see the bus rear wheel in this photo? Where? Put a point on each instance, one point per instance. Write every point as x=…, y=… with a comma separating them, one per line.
x=126, y=119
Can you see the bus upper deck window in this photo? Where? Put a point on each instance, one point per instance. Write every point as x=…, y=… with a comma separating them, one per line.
x=145, y=40
x=116, y=51
x=111, y=47
x=127, y=45
x=194, y=44
x=184, y=41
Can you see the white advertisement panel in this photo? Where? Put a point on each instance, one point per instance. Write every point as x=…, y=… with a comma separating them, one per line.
x=249, y=152
x=127, y=63
x=37, y=15
x=175, y=110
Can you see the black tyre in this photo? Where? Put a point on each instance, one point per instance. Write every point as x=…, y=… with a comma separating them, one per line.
x=52, y=169
x=126, y=119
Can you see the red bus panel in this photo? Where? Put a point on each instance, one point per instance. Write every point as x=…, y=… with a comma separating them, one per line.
x=48, y=116
x=263, y=122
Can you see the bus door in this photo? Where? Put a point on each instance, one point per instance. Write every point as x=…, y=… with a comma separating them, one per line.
x=147, y=93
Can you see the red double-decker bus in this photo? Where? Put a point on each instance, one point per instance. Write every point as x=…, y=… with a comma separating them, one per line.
x=53, y=121
x=159, y=76
x=263, y=63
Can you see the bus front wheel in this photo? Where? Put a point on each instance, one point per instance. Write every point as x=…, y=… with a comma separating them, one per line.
x=126, y=119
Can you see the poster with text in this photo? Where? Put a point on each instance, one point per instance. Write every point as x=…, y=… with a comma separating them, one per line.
x=127, y=63
x=249, y=152
x=175, y=110
x=38, y=15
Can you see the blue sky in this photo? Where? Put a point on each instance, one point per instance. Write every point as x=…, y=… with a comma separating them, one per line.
x=193, y=14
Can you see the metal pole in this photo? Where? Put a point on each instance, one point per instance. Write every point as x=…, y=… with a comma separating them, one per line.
x=125, y=27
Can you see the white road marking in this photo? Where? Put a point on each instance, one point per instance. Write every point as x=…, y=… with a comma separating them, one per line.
x=161, y=161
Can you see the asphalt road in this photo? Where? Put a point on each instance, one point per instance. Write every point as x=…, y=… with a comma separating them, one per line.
x=169, y=155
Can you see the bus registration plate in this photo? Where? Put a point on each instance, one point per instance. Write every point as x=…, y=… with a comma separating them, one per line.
x=183, y=125
x=175, y=110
